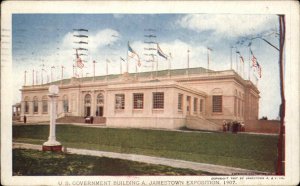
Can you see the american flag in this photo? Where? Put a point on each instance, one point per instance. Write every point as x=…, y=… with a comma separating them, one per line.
x=256, y=64
x=79, y=61
x=254, y=61
x=131, y=53
x=258, y=69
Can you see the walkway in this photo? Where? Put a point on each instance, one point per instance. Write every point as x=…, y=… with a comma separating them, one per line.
x=216, y=169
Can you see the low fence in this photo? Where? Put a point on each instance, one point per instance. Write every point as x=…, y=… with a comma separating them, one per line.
x=262, y=126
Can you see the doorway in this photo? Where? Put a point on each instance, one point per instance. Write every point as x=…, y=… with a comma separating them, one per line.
x=99, y=111
x=87, y=111
x=188, y=105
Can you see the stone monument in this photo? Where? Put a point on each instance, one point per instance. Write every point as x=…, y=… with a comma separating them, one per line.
x=52, y=144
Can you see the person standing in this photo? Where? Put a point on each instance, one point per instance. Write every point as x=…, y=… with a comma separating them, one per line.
x=25, y=119
x=92, y=119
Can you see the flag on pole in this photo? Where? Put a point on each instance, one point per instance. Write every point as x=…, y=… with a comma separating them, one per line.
x=258, y=69
x=161, y=53
x=241, y=57
x=122, y=59
x=256, y=64
x=79, y=61
x=132, y=54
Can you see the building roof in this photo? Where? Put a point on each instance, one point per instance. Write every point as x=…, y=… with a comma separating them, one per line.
x=160, y=73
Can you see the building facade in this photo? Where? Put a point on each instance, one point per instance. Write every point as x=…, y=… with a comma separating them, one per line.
x=163, y=99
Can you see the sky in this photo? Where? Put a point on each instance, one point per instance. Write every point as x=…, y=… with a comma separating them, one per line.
x=41, y=41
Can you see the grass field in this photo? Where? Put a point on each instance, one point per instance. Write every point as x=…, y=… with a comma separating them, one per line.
x=256, y=152
x=32, y=162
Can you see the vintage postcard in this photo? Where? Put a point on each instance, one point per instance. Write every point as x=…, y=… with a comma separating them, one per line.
x=149, y=93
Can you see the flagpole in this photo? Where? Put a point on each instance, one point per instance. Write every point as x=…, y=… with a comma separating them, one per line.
x=188, y=62
x=25, y=72
x=169, y=66
x=120, y=66
x=243, y=69
x=127, y=58
x=106, y=70
x=36, y=77
x=231, y=58
x=249, y=68
x=136, y=69
x=42, y=76
x=207, y=60
x=156, y=66
x=236, y=63
x=94, y=66
x=32, y=77
x=62, y=72
x=52, y=73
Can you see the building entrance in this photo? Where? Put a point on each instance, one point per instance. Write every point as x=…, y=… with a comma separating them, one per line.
x=87, y=111
x=99, y=111
x=188, y=105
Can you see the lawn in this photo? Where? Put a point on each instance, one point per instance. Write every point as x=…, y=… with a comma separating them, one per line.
x=255, y=152
x=35, y=163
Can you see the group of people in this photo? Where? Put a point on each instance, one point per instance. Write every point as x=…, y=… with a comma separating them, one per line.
x=89, y=119
x=233, y=126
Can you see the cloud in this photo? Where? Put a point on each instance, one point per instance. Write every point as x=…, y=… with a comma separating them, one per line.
x=228, y=24
x=178, y=50
x=103, y=38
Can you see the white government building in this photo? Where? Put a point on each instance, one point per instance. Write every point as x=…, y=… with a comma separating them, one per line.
x=170, y=99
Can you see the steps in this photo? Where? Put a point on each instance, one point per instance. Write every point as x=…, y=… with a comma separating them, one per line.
x=79, y=119
x=198, y=123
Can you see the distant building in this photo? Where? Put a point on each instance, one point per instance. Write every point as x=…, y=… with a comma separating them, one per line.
x=164, y=99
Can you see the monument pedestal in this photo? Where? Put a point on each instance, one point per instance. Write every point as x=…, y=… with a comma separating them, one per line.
x=56, y=148
x=52, y=144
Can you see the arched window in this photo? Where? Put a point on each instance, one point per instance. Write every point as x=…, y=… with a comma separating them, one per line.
x=45, y=104
x=100, y=99
x=87, y=105
x=87, y=99
x=35, y=105
x=65, y=103
x=26, y=105
x=99, y=106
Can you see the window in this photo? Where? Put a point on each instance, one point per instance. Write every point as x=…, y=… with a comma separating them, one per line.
x=26, y=104
x=195, y=104
x=217, y=103
x=45, y=104
x=65, y=103
x=180, y=99
x=201, y=105
x=138, y=101
x=100, y=99
x=87, y=99
x=35, y=105
x=158, y=100
x=119, y=101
